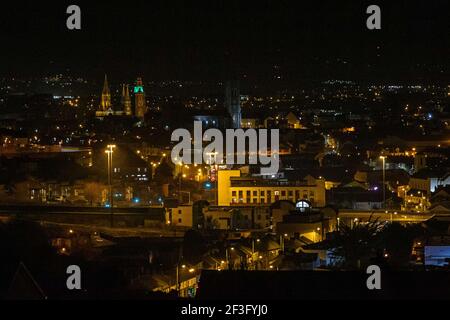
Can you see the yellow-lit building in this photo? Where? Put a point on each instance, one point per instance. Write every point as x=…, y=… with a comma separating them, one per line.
x=180, y=216
x=293, y=121
x=250, y=123
x=236, y=190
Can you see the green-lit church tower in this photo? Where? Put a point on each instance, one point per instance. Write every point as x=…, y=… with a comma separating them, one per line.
x=139, y=99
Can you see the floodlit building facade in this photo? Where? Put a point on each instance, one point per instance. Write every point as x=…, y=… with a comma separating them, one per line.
x=236, y=190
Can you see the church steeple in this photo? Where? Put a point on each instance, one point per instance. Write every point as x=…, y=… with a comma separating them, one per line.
x=105, y=103
x=126, y=100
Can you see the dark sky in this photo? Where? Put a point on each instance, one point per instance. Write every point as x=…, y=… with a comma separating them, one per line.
x=202, y=40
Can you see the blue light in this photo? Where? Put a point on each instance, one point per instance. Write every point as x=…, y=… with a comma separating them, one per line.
x=107, y=205
x=136, y=200
x=207, y=185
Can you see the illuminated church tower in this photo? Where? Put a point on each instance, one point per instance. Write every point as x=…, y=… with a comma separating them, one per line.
x=105, y=108
x=126, y=100
x=139, y=99
x=105, y=103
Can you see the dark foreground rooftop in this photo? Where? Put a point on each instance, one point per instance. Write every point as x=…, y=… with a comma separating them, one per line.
x=307, y=285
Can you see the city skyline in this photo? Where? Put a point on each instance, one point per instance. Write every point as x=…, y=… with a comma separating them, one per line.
x=224, y=150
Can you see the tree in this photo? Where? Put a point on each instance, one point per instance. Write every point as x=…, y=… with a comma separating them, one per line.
x=355, y=245
x=398, y=241
x=163, y=173
x=93, y=192
x=197, y=213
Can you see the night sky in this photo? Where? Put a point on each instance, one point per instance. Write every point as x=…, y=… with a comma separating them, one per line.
x=207, y=40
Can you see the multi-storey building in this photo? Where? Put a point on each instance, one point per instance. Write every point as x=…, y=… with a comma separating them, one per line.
x=236, y=190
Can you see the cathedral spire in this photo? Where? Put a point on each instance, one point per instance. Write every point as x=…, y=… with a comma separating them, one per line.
x=126, y=100
x=105, y=86
x=123, y=92
x=105, y=103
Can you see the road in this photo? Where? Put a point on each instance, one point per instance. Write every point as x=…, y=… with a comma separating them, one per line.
x=398, y=216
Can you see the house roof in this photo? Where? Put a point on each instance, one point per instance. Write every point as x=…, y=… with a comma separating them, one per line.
x=441, y=191
x=320, y=285
x=23, y=286
x=441, y=206
x=429, y=173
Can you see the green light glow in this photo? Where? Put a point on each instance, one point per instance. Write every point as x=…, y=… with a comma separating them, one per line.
x=138, y=89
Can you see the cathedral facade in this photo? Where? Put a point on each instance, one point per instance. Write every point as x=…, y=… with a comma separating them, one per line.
x=106, y=107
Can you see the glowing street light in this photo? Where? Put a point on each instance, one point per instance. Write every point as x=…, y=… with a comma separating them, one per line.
x=109, y=152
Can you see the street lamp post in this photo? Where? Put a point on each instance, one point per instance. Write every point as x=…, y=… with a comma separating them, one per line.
x=109, y=152
x=383, y=158
x=227, y=259
x=180, y=175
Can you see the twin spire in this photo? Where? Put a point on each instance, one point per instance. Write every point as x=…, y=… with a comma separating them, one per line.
x=126, y=100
